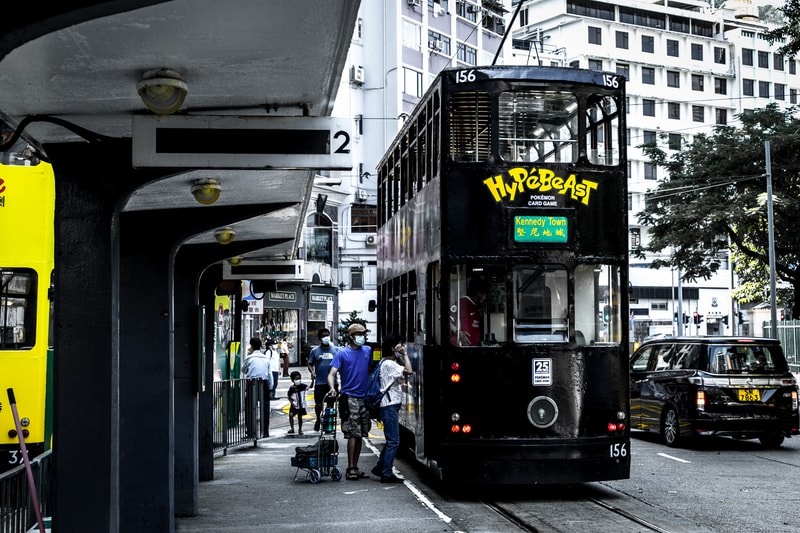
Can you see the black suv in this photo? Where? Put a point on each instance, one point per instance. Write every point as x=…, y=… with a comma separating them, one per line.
x=741, y=387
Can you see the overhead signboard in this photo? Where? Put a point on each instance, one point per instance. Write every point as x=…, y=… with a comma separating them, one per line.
x=194, y=141
x=265, y=270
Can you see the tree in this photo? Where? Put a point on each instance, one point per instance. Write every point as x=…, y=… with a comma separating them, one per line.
x=715, y=199
x=341, y=334
x=790, y=31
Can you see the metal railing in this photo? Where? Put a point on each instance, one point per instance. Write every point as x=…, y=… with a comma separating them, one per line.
x=17, y=514
x=240, y=413
x=789, y=335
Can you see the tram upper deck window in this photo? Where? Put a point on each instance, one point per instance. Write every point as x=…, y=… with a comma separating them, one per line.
x=541, y=304
x=602, y=130
x=17, y=305
x=470, y=126
x=538, y=126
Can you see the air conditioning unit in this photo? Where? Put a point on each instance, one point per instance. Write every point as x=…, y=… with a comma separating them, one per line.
x=413, y=3
x=357, y=75
x=371, y=240
x=361, y=194
x=436, y=45
x=472, y=8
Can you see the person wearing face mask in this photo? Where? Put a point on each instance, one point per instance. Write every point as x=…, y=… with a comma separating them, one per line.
x=352, y=362
x=319, y=364
x=297, y=402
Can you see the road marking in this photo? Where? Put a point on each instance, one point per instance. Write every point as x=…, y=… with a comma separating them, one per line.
x=674, y=458
x=415, y=491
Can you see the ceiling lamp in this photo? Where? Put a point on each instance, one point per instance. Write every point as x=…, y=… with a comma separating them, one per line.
x=206, y=191
x=225, y=235
x=235, y=261
x=162, y=91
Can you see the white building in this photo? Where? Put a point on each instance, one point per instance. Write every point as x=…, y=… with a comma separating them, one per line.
x=398, y=48
x=689, y=67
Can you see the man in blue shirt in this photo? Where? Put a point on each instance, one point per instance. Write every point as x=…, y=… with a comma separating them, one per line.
x=319, y=364
x=352, y=362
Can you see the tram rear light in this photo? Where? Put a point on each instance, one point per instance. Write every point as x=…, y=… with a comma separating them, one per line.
x=466, y=428
x=612, y=427
x=701, y=400
x=455, y=428
x=455, y=366
x=455, y=378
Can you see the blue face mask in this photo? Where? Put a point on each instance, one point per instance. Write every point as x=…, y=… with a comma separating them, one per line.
x=326, y=340
x=358, y=340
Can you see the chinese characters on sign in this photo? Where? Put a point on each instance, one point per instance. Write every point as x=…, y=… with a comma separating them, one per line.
x=540, y=229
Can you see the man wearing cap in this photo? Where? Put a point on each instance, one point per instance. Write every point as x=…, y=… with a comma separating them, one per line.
x=352, y=362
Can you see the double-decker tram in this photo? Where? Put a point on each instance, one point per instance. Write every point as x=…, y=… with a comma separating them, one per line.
x=27, y=203
x=503, y=259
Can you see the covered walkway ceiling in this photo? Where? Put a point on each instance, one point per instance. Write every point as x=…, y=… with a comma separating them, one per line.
x=79, y=62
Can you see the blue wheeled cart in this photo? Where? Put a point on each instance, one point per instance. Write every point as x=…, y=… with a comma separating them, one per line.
x=321, y=458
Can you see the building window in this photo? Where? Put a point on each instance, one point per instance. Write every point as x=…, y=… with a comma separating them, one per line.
x=438, y=43
x=624, y=70
x=792, y=66
x=747, y=56
x=636, y=237
x=672, y=47
x=648, y=44
x=595, y=64
x=697, y=82
x=763, y=89
x=675, y=141
x=650, y=171
x=674, y=110
x=630, y=201
x=697, y=52
x=363, y=218
x=357, y=278
x=763, y=60
x=412, y=82
x=649, y=137
x=649, y=75
x=648, y=107
x=466, y=54
x=673, y=78
x=595, y=35
x=719, y=55
x=622, y=39
x=747, y=87
x=720, y=86
x=412, y=35
x=722, y=116
x=792, y=96
x=780, y=91
x=777, y=62
x=698, y=113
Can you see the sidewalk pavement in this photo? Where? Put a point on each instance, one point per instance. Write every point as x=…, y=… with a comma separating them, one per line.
x=256, y=489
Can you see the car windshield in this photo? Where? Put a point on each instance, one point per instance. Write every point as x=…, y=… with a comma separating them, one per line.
x=745, y=359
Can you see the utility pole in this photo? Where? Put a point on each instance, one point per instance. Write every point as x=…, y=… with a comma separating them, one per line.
x=773, y=308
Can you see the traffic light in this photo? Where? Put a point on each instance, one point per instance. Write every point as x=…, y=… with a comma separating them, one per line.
x=606, y=313
x=685, y=318
x=696, y=317
x=675, y=317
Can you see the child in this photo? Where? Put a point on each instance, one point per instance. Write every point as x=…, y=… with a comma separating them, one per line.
x=297, y=402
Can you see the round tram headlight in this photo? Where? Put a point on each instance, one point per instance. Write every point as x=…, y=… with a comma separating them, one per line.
x=25, y=422
x=455, y=417
x=620, y=415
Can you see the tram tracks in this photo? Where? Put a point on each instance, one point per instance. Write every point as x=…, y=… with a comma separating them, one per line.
x=580, y=513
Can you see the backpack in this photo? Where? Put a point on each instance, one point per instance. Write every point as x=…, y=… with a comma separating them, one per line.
x=372, y=400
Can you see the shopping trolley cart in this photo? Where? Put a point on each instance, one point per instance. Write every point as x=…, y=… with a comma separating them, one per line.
x=322, y=457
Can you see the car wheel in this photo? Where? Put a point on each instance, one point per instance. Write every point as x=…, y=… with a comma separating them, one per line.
x=670, y=428
x=771, y=440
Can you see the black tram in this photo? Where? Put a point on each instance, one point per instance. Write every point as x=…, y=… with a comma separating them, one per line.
x=503, y=259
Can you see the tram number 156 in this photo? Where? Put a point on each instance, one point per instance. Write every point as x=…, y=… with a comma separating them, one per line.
x=618, y=450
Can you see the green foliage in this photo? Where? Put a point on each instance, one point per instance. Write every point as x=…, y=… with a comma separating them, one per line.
x=715, y=199
x=341, y=331
x=790, y=31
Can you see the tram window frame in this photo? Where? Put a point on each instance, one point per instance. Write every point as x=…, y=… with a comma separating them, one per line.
x=597, y=297
x=18, y=291
x=540, y=311
x=522, y=119
x=470, y=126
